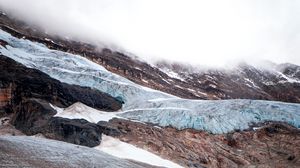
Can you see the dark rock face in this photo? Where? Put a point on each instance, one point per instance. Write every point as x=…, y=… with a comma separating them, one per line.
x=26, y=94
x=32, y=116
x=273, y=145
x=76, y=131
x=35, y=116
x=108, y=129
x=24, y=83
x=5, y=99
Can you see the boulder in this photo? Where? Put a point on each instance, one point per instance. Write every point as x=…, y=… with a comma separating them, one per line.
x=76, y=131
x=109, y=129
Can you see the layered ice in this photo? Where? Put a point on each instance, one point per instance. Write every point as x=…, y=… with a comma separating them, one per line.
x=219, y=116
x=74, y=69
x=24, y=151
x=144, y=104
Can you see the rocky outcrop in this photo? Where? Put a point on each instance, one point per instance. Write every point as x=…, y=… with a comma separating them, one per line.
x=26, y=94
x=32, y=115
x=76, y=131
x=20, y=83
x=35, y=116
x=108, y=129
x=271, y=145
x=5, y=98
x=7, y=129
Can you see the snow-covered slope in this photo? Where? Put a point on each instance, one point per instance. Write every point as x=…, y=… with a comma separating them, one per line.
x=145, y=104
x=24, y=151
x=79, y=110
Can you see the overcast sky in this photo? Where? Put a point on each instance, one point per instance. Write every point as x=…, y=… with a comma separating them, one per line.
x=210, y=32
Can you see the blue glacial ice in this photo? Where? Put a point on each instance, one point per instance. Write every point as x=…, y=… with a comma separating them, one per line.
x=148, y=105
x=216, y=116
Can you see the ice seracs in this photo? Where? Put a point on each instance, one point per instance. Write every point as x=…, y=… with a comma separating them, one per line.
x=74, y=69
x=221, y=116
x=144, y=104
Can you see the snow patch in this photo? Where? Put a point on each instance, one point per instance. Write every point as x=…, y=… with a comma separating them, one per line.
x=288, y=79
x=124, y=150
x=251, y=82
x=172, y=74
x=82, y=111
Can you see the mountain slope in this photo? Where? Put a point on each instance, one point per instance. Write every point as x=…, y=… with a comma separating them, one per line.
x=245, y=81
x=145, y=104
x=192, y=133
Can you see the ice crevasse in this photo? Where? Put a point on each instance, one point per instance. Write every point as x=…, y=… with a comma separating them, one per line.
x=145, y=104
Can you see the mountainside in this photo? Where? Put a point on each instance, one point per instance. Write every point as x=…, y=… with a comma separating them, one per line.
x=269, y=81
x=145, y=104
x=267, y=145
x=71, y=91
x=280, y=82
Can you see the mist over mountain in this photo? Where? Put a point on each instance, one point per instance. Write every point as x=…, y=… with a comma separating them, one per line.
x=214, y=33
x=138, y=83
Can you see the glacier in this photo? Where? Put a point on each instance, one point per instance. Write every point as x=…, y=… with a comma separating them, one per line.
x=216, y=116
x=145, y=104
x=34, y=152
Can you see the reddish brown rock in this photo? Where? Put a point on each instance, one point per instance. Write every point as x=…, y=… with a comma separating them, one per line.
x=5, y=96
x=274, y=145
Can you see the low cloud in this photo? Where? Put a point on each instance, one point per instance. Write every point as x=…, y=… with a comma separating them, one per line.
x=211, y=33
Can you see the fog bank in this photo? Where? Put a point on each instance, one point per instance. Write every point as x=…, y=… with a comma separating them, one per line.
x=211, y=33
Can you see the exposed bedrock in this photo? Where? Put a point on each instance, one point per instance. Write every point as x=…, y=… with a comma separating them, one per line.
x=271, y=145
x=35, y=116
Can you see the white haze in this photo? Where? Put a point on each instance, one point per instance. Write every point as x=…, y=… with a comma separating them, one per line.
x=211, y=33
